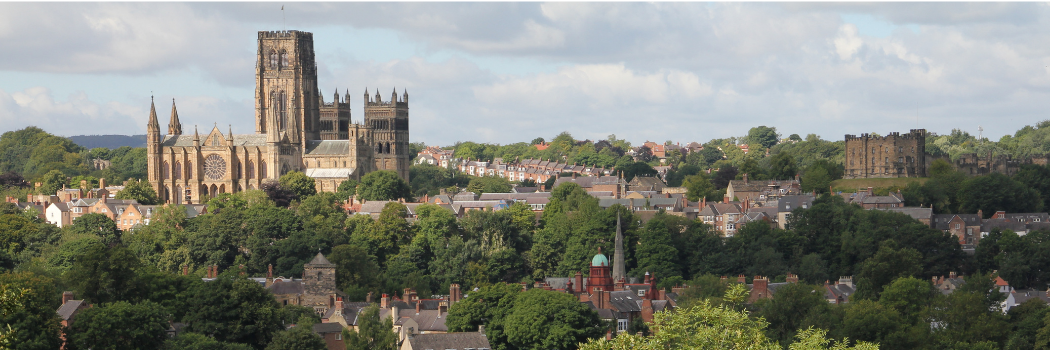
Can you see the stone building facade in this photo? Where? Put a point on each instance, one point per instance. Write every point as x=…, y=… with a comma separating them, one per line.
x=893, y=155
x=295, y=130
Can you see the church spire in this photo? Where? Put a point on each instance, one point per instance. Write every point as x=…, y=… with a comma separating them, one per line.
x=618, y=271
x=152, y=126
x=174, y=127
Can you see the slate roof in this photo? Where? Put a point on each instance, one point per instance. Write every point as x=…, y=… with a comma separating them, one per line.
x=327, y=147
x=428, y=320
x=69, y=308
x=238, y=140
x=915, y=212
x=941, y=221
x=319, y=259
x=450, y=341
x=287, y=287
x=322, y=328
x=789, y=203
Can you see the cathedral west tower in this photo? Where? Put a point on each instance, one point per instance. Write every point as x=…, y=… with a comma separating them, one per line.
x=286, y=95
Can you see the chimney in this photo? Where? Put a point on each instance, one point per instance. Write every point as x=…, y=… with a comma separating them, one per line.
x=871, y=191
x=741, y=279
x=745, y=178
x=419, y=306
x=980, y=214
x=760, y=285
x=951, y=274
x=481, y=329
x=443, y=307
x=384, y=301
x=647, y=310
x=269, y=275
x=368, y=298
x=66, y=296
x=1000, y=215
x=646, y=280
x=579, y=281
x=568, y=287
x=792, y=278
x=339, y=304
x=102, y=183
x=605, y=298
x=847, y=280
x=724, y=280
x=185, y=270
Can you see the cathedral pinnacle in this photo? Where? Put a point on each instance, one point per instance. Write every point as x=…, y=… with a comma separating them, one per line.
x=152, y=125
x=174, y=126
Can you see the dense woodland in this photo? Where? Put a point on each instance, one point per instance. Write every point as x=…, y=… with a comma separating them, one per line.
x=133, y=278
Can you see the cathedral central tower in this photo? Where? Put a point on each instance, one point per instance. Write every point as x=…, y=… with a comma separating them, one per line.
x=286, y=101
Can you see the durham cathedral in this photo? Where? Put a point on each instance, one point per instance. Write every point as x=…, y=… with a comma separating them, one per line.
x=295, y=130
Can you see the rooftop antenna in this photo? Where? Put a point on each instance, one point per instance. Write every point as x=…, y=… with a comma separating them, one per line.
x=284, y=21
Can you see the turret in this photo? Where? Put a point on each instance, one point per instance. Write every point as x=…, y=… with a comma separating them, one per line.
x=196, y=138
x=336, y=97
x=347, y=98
x=379, y=99
x=174, y=126
x=229, y=136
x=404, y=98
x=366, y=96
x=393, y=96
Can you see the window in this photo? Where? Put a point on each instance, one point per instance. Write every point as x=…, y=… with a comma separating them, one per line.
x=730, y=227
x=339, y=336
x=957, y=226
x=873, y=150
x=621, y=325
x=641, y=292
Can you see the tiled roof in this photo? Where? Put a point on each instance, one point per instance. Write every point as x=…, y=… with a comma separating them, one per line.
x=327, y=147
x=69, y=308
x=322, y=328
x=287, y=287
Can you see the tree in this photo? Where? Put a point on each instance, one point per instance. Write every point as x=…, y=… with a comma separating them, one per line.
x=544, y=319
x=140, y=191
x=187, y=340
x=280, y=196
x=12, y=179
x=356, y=271
x=233, y=309
x=303, y=186
x=698, y=187
x=299, y=337
x=372, y=333
x=27, y=312
x=119, y=325
x=796, y=307
x=537, y=141
x=105, y=274
x=1033, y=176
x=763, y=136
x=819, y=175
x=782, y=166
x=347, y=189
x=643, y=154
x=888, y=264
x=994, y=192
x=488, y=184
x=99, y=225
x=383, y=185
x=51, y=182
x=724, y=175
x=488, y=306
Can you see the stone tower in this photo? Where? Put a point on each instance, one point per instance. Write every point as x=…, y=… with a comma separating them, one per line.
x=286, y=101
x=335, y=117
x=893, y=155
x=389, y=124
x=319, y=284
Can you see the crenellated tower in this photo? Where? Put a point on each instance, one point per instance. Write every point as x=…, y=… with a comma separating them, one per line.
x=335, y=117
x=286, y=86
x=389, y=124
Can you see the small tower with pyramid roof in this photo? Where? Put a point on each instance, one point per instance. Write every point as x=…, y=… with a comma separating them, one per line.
x=319, y=290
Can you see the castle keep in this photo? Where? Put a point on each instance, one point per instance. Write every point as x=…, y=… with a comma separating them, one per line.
x=893, y=155
x=295, y=130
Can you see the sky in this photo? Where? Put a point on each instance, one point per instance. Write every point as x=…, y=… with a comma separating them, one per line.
x=511, y=72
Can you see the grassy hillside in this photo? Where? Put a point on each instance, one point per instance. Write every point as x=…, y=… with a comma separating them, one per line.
x=851, y=185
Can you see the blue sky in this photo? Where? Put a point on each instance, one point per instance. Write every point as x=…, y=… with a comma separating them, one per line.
x=509, y=72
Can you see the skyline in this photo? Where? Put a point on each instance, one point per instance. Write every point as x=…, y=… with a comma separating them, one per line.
x=510, y=72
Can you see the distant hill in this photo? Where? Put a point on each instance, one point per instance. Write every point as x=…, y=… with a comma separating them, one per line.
x=109, y=141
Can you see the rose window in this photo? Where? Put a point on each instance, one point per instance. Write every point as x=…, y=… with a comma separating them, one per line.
x=214, y=167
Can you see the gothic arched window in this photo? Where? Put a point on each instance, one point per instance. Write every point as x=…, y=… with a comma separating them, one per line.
x=262, y=170
x=282, y=107
x=178, y=170
x=190, y=170
x=251, y=170
x=273, y=60
x=379, y=148
x=164, y=174
x=284, y=59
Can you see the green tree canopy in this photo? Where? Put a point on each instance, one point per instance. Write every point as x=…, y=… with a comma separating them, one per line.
x=300, y=184
x=119, y=325
x=140, y=191
x=383, y=185
x=544, y=319
x=763, y=136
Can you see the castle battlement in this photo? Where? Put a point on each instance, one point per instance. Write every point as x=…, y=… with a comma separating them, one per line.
x=283, y=34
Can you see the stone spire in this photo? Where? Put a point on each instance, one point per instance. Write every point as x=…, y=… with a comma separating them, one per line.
x=174, y=126
x=152, y=126
x=618, y=272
